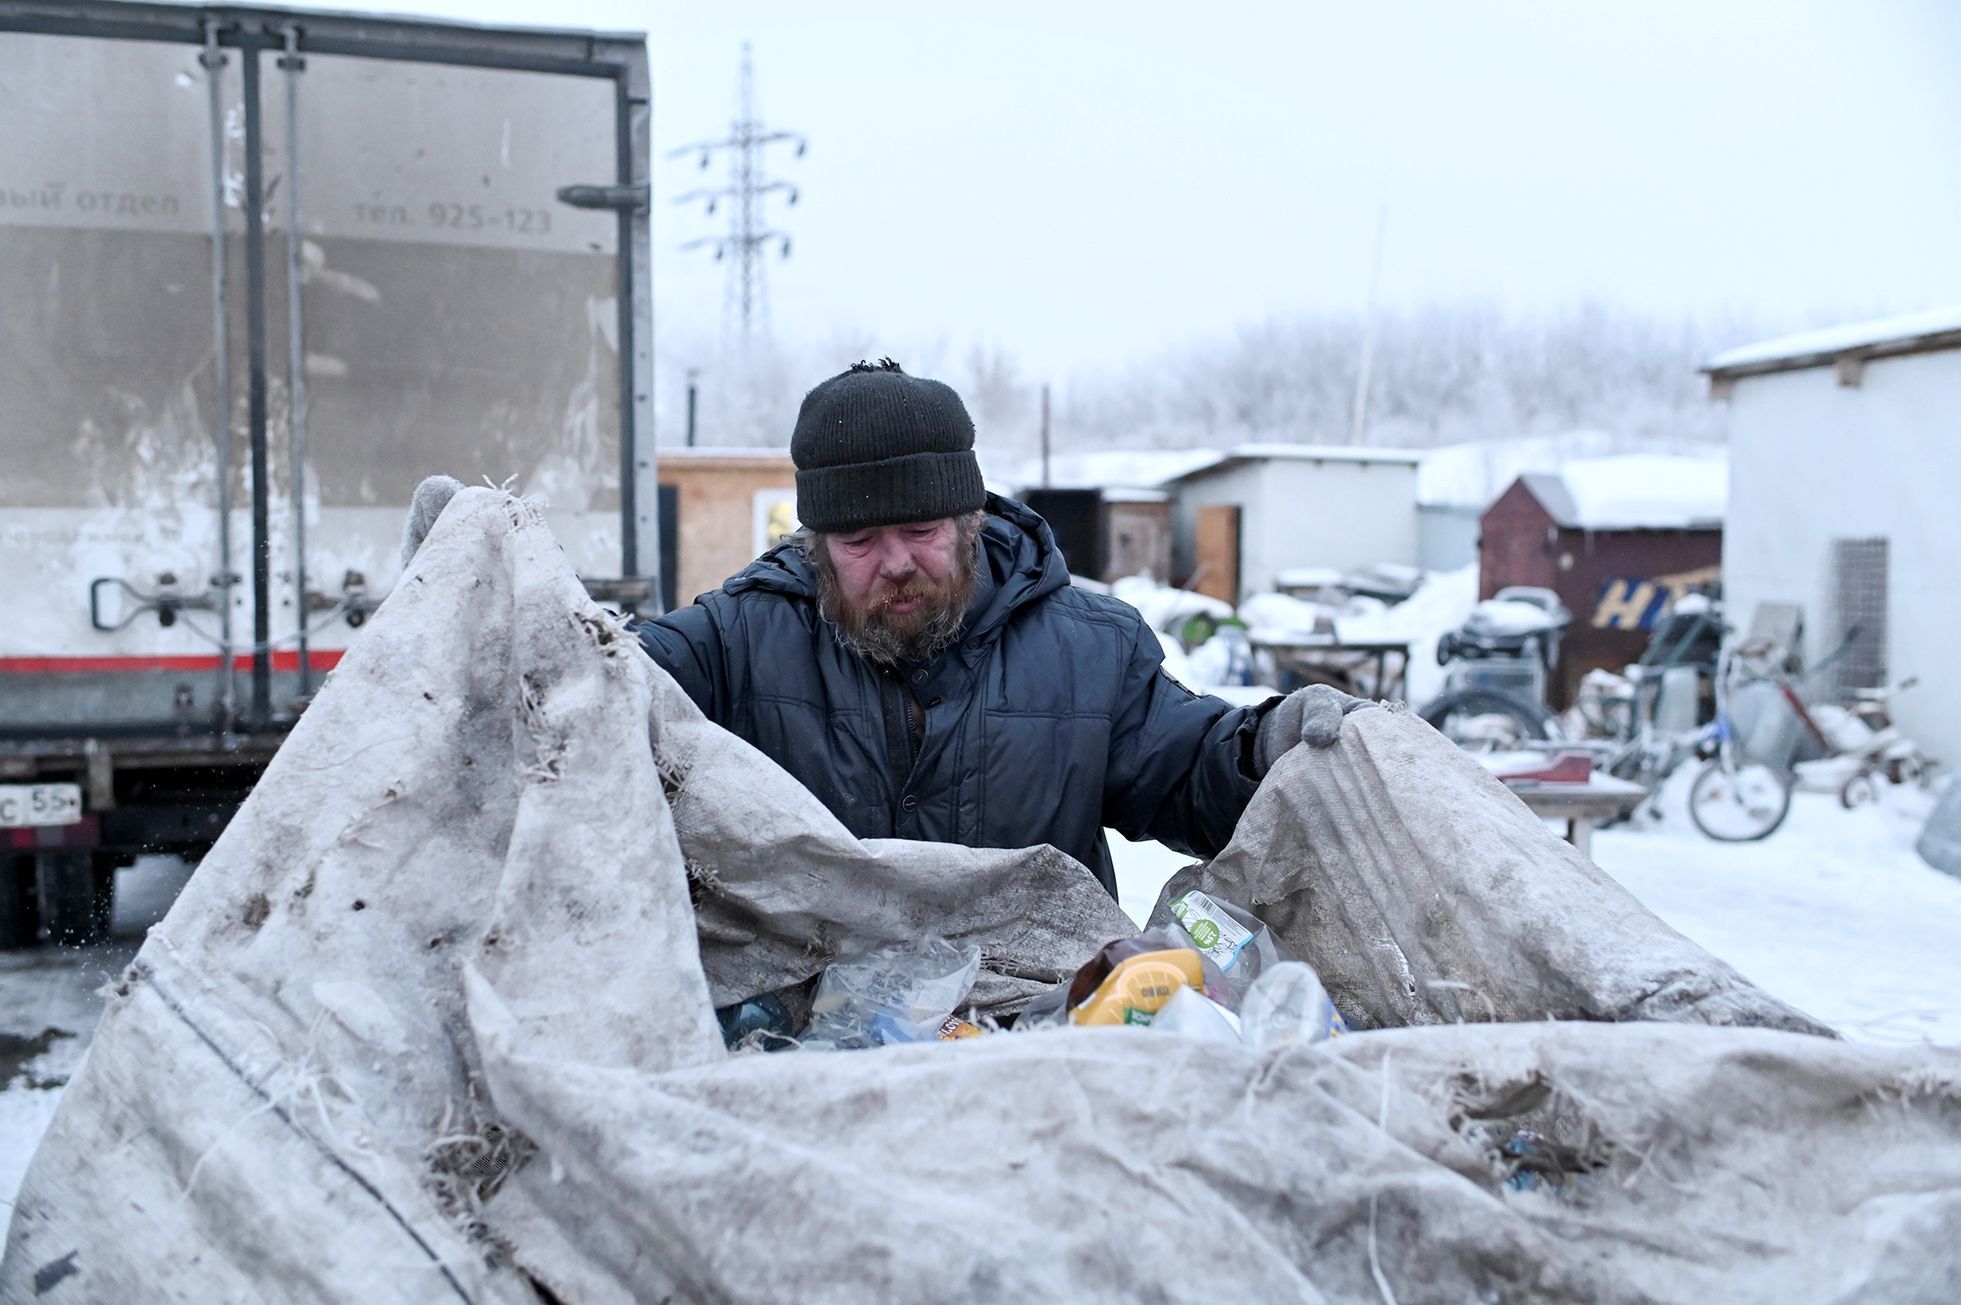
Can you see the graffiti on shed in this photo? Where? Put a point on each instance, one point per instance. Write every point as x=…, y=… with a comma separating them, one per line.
x=1637, y=603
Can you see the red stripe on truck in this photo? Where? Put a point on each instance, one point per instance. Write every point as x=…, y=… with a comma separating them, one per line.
x=324, y=660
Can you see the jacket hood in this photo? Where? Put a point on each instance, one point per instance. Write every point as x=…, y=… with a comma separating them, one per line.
x=1018, y=552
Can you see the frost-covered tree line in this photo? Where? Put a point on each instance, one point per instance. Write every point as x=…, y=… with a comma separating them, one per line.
x=1438, y=375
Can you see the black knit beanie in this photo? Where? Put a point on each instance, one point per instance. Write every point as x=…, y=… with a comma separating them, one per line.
x=876, y=447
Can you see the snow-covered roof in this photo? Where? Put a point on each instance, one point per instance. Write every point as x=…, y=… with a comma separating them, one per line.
x=1935, y=328
x=1104, y=468
x=1245, y=453
x=1474, y=474
x=1635, y=491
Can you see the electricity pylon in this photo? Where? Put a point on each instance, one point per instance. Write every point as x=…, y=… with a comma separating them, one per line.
x=748, y=234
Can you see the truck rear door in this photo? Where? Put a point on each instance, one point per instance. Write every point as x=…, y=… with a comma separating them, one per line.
x=172, y=351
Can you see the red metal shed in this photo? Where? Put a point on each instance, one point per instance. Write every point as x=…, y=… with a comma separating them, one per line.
x=1616, y=570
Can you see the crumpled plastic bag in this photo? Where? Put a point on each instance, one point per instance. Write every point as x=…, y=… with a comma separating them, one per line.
x=1288, y=1005
x=1232, y=938
x=900, y=992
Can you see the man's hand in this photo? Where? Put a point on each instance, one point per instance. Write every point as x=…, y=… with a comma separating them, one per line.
x=1311, y=716
x=431, y=497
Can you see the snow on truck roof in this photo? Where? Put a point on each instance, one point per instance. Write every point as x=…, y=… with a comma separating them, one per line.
x=1934, y=328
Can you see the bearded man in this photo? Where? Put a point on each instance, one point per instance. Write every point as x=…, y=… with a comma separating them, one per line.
x=918, y=658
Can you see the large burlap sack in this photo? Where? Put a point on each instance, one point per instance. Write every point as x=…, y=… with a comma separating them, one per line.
x=1424, y=891
x=433, y=1021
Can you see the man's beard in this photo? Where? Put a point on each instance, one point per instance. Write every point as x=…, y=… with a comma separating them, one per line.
x=885, y=637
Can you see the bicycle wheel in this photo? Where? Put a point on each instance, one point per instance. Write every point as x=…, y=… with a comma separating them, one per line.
x=1861, y=788
x=1488, y=719
x=1740, y=805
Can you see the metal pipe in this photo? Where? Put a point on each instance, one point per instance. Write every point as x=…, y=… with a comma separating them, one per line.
x=292, y=65
x=1045, y=435
x=221, y=374
x=255, y=319
x=628, y=427
x=640, y=469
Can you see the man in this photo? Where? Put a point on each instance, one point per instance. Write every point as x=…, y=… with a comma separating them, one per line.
x=919, y=660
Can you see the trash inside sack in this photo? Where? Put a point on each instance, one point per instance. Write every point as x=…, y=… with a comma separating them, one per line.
x=1137, y=986
x=1228, y=936
x=1285, y=1005
x=1214, y=973
x=759, y=1022
x=901, y=992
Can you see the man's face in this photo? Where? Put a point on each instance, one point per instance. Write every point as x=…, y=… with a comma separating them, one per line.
x=899, y=592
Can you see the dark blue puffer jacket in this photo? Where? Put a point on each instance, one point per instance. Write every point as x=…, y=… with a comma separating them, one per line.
x=1051, y=718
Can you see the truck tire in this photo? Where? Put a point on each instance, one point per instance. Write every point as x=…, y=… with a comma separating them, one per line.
x=77, y=896
x=20, y=915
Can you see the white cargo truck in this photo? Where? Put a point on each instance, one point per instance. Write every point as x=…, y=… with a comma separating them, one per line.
x=261, y=270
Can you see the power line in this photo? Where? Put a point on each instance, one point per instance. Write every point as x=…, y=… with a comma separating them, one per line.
x=747, y=292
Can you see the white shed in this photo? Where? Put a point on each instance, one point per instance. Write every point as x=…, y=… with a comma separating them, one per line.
x=1265, y=508
x=1845, y=456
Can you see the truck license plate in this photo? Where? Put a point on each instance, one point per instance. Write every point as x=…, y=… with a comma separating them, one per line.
x=26, y=805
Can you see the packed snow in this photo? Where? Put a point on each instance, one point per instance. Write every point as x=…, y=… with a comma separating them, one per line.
x=1274, y=616
x=1164, y=608
x=50, y=999
x=1441, y=604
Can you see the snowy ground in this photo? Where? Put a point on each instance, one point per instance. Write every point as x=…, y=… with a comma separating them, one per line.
x=1835, y=912
x=49, y=1004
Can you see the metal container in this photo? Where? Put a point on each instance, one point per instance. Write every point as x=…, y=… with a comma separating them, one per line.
x=263, y=271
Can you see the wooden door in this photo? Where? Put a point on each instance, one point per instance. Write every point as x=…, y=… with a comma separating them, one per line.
x=1217, y=553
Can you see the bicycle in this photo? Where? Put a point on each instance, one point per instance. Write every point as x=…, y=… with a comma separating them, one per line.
x=1733, y=799
x=1866, y=747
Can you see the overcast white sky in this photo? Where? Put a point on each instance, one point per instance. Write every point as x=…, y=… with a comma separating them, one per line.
x=1085, y=183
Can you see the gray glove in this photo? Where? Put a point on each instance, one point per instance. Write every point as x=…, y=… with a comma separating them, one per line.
x=1311, y=716
x=431, y=497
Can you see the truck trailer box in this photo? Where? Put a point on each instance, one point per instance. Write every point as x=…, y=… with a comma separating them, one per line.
x=263, y=270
